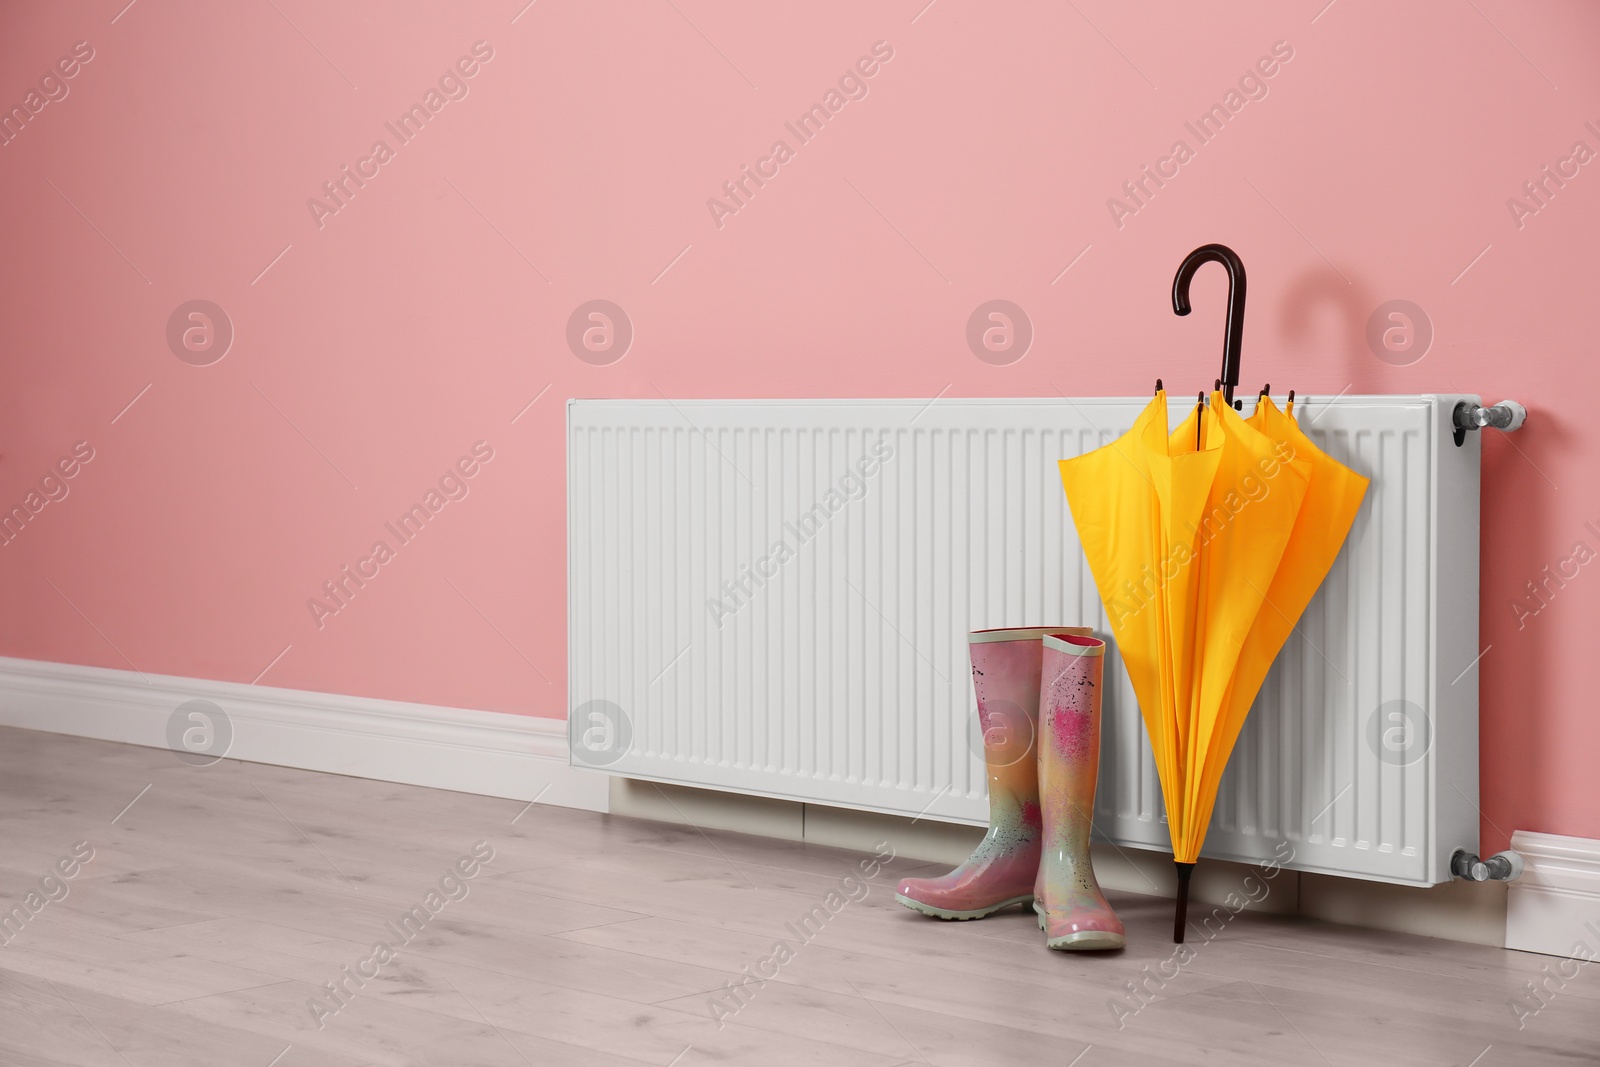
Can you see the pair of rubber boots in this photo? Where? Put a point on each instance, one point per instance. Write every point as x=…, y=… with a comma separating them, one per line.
x=1038, y=691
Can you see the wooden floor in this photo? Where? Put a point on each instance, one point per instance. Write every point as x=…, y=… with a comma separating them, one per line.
x=218, y=905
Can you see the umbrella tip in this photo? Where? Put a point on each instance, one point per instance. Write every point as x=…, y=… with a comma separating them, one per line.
x=1180, y=920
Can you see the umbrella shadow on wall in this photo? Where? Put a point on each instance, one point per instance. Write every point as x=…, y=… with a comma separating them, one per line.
x=1516, y=676
x=1299, y=318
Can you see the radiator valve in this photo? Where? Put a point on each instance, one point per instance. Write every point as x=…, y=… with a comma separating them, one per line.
x=1501, y=867
x=1508, y=415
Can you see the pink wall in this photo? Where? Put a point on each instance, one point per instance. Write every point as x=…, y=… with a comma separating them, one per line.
x=423, y=315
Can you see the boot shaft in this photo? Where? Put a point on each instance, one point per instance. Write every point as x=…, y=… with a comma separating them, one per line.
x=1006, y=674
x=1070, y=686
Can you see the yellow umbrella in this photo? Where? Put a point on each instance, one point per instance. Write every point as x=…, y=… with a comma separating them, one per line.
x=1206, y=544
x=1184, y=544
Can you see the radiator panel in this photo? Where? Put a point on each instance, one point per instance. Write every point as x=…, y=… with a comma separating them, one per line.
x=835, y=670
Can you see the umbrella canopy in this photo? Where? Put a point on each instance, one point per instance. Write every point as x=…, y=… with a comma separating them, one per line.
x=1206, y=544
x=1332, y=500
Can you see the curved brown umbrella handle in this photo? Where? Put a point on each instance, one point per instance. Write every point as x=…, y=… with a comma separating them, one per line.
x=1215, y=253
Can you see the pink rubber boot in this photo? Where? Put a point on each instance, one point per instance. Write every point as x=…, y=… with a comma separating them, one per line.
x=1001, y=870
x=1072, y=911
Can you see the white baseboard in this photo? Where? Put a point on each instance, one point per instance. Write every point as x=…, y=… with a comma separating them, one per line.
x=1554, y=908
x=490, y=753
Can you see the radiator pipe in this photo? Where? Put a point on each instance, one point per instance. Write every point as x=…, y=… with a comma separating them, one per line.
x=1501, y=867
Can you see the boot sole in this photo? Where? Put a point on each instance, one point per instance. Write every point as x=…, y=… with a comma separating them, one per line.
x=945, y=913
x=1083, y=940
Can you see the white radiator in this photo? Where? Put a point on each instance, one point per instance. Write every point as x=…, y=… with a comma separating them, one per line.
x=773, y=597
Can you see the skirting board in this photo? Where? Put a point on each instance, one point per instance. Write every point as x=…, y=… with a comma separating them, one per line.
x=519, y=757
x=1554, y=908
